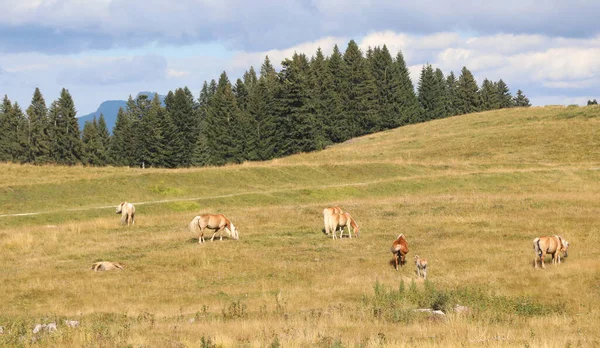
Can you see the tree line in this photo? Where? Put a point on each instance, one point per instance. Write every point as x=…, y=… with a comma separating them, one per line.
x=307, y=105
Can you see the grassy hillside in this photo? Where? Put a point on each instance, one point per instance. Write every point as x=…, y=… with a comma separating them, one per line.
x=469, y=192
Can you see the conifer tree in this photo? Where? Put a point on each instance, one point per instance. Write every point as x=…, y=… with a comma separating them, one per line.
x=339, y=124
x=431, y=94
x=296, y=125
x=467, y=98
x=504, y=97
x=39, y=139
x=15, y=132
x=94, y=153
x=250, y=79
x=121, y=144
x=182, y=112
x=104, y=136
x=241, y=94
x=261, y=110
x=443, y=98
x=324, y=99
x=359, y=92
x=221, y=126
x=488, y=96
x=521, y=100
x=406, y=104
x=67, y=147
x=4, y=130
x=382, y=69
x=151, y=143
x=451, y=83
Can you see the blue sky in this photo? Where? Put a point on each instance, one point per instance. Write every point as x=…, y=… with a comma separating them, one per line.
x=108, y=49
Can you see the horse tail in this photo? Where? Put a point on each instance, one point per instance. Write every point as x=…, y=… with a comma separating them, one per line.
x=537, y=247
x=194, y=226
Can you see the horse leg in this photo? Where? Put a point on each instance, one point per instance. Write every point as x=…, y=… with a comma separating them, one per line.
x=425, y=272
x=132, y=219
x=349, y=231
x=396, y=260
x=213, y=236
x=543, y=257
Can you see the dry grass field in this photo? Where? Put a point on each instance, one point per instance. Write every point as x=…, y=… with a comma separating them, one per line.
x=470, y=193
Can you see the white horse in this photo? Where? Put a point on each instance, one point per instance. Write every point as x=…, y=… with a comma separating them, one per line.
x=127, y=211
x=215, y=222
x=341, y=221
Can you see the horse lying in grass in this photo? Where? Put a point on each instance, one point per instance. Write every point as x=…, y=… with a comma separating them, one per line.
x=421, y=266
x=341, y=221
x=215, y=222
x=106, y=266
x=549, y=245
x=327, y=212
x=399, y=249
x=127, y=211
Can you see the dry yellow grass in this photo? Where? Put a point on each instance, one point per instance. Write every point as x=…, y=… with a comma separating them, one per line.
x=470, y=193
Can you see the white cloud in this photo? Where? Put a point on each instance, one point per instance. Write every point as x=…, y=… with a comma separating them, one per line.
x=172, y=73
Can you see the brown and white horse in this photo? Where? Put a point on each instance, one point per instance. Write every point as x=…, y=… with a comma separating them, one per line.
x=399, y=249
x=327, y=212
x=216, y=222
x=549, y=245
x=341, y=221
x=127, y=211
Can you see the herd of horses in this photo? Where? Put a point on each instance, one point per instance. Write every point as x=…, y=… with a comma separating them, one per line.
x=336, y=220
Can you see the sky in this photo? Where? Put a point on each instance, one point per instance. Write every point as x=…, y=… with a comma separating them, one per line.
x=109, y=49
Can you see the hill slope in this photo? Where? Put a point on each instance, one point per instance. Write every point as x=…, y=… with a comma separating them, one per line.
x=469, y=192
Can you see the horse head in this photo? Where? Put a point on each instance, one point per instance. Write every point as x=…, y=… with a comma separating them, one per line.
x=120, y=208
x=564, y=246
x=234, y=232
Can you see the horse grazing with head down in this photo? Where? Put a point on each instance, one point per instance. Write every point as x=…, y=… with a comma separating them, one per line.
x=127, y=211
x=341, y=221
x=549, y=245
x=327, y=212
x=215, y=222
x=399, y=249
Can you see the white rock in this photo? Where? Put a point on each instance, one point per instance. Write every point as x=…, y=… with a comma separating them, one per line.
x=51, y=327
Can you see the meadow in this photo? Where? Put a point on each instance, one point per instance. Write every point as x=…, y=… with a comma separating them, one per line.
x=469, y=192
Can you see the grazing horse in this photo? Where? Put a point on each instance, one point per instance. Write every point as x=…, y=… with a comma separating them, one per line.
x=127, y=211
x=327, y=212
x=399, y=249
x=215, y=222
x=106, y=266
x=421, y=266
x=340, y=221
x=549, y=245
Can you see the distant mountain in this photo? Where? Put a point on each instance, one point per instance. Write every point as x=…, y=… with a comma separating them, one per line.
x=110, y=108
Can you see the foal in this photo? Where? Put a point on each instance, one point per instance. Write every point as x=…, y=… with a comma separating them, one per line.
x=421, y=267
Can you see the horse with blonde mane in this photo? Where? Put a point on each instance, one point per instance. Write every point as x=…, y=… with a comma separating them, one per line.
x=341, y=221
x=127, y=211
x=215, y=222
x=399, y=249
x=327, y=212
x=549, y=245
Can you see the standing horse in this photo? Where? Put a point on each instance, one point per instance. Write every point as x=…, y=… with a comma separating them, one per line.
x=340, y=221
x=215, y=222
x=399, y=249
x=549, y=245
x=127, y=211
x=327, y=212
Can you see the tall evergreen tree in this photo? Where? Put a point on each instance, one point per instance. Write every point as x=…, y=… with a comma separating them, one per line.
x=382, y=69
x=94, y=153
x=67, y=146
x=339, y=125
x=241, y=94
x=406, y=104
x=221, y=126
x=151, y=144
x=250, y=79
x=467, y=93
x=521, y=100
x=104, y=136
x=296, y=124
x=504, y=97
x=121, y=144
x=186, y=120
x=39, y=139
x=430, y=93
x=488, y=96
x=261, y=110
x=359, y=93
x=444, y=97
x=451, y=83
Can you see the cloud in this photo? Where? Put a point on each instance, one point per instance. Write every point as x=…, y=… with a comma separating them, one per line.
x=114, y=71
x=55, y=26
